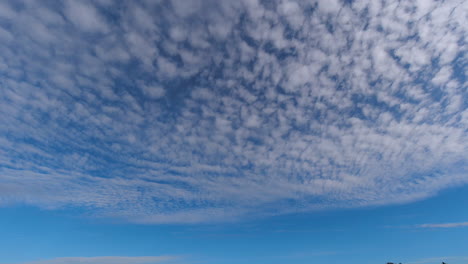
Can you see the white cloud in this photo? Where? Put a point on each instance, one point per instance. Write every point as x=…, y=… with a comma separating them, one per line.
x=154, y=91
x=5, y=35
x=329, y=6
x=444, y=225
x=185, y=8
x=85, y=16
x=6, y=12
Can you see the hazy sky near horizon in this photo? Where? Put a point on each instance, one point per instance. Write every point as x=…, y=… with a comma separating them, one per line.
x=204, y=112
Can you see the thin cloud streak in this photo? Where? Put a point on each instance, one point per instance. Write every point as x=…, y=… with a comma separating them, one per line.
x=444, y=225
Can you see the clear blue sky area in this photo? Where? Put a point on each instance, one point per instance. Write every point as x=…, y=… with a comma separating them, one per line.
x=366, y=235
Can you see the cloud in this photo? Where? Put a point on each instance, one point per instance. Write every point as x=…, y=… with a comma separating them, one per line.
x=162, y=111
x=84, y=16
x=444, y=225
x=105, y=260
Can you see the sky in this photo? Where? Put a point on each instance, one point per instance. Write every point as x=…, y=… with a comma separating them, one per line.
x=217, y=131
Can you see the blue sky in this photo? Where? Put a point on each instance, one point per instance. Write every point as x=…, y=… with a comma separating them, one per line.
x=202, y=131
x=367, y=235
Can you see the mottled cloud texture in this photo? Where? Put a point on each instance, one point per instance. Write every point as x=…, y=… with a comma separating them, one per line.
x=203, y=110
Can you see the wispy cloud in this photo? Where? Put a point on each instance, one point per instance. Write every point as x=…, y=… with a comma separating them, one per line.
x=444, y=225
x=163, y=111
x=107, y=260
